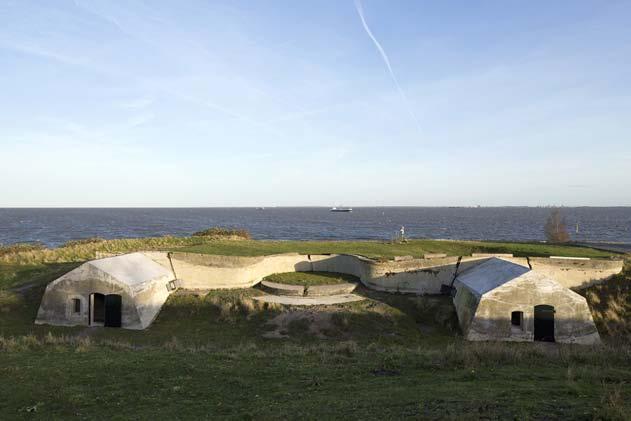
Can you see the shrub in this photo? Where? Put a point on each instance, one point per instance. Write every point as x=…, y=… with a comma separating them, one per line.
x=556, y=228
x=223, y=232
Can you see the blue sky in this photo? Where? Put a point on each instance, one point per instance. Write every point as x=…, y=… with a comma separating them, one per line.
x=263, y=103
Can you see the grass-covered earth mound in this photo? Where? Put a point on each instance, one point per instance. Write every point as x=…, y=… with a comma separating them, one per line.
x=309, y=279
x=226, y=355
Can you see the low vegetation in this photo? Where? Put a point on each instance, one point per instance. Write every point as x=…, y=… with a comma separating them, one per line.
x=86, y=249
x=225, y=354
x=610, y=303
x=311, y=278
x=219, y=232
x=82, y=241
x=380, y=249
x=20, y=248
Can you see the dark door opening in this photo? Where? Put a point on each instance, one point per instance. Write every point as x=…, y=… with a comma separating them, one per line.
x=113, y=305
x=97, y=309
x=544, y=323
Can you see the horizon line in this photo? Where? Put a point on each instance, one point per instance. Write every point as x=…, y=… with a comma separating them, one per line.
x=315, y=206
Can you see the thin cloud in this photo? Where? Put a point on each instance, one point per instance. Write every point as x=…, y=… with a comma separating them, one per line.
x=386, y=60
x=136, y=104
x=140, y=119
x=44, y=53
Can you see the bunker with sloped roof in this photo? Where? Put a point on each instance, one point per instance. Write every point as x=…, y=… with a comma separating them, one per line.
x=123, y=291
x=502, y=300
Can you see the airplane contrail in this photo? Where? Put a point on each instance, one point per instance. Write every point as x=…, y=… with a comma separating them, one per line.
x=386, y=60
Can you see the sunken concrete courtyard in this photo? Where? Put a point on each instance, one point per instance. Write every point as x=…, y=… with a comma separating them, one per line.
x=496, y=297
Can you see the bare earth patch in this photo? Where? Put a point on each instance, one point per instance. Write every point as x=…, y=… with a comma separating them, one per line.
x=311, y=322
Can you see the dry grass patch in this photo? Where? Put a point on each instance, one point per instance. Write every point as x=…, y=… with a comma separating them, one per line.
x=610, y=304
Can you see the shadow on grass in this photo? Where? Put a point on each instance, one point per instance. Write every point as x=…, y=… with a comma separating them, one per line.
x=21, y=291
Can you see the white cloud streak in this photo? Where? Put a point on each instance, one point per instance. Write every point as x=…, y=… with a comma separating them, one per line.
x=386, y=60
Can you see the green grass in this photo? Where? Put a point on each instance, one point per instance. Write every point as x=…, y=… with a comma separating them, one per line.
x=311, y=278
x=378, y=249
x=211, y=356
x=342, y=380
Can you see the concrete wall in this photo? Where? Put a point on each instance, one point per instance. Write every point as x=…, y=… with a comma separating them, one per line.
x=492, y=319
x=466, y=304
x=142, y=303
x=417, y=276
x=576, y=273
x=200, y=271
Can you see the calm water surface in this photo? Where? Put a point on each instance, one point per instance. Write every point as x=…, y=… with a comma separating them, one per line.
x=56, y=226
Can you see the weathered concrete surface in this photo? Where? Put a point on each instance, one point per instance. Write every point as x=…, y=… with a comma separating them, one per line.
x=416, y=276
x=577, y=273
x=141, y=283
x=283, y=289
x=434, y=255
x=487, y=295
x=201, y=271
x=310, y=301
x=490, y=275
x=335, y=289
x=141, y=278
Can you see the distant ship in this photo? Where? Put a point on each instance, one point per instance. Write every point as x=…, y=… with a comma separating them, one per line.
x=341, y=209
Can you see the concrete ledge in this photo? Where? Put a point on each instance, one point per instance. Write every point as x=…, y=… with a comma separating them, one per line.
x=492, y=255
x=324, y=290
x=283, y=289
x=569, y=258
x=434, y=255
x=310, y=301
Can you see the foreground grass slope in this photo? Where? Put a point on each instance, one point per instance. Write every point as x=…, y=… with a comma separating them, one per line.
x=389, y=356
x=321, y=381
x=227, y=355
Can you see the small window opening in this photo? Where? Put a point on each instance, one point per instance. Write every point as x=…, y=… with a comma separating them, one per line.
x=76, y=305
x=517, y=320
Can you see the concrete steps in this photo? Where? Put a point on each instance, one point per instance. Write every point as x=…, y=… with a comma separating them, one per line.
x=326, y=290
x=283, y=289
x=309, y=301
x=276, y=288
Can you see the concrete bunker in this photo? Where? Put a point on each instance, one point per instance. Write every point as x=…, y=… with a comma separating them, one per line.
x=124, y=291
x=495, y=296
x=502, y=300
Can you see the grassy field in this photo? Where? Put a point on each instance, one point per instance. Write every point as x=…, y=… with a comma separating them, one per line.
x=379, y=249
x=226, y=355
